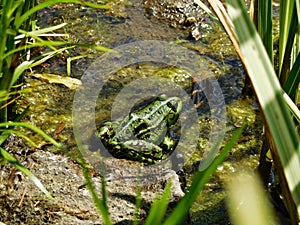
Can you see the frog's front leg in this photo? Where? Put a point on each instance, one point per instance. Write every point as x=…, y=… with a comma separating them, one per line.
x=106, y=132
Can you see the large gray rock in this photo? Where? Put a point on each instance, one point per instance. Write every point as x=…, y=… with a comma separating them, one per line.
x=23, y=203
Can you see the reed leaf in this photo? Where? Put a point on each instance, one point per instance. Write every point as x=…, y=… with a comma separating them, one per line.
x=209, y=12
x=138, y=204
x=292, y=107
x=264, y=25
x=101, y=204
x=293, y=80
x=269, y=94
x=285, y=19
x=289, y=50
x=51, y=45
x=21, y=135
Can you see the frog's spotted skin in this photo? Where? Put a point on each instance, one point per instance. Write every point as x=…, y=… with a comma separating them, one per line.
x=143, y=135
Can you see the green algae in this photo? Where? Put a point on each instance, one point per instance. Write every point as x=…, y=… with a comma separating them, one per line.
x=51, y=104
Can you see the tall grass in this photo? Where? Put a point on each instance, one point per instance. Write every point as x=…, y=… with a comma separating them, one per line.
x=17, y=36
x=10, y=13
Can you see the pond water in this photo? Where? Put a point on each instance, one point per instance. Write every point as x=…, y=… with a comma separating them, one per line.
x=181, y=23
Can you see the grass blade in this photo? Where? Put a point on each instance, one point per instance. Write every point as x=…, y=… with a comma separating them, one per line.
x=209, y=12
x=247, y=201
x=49, y=3
x=138, y=204
x=289, y=51
x=100, y=204
x=33, y=128
x=159, y=207
x=9, y=158
x=43, y=31
x=292, y=107
x=19, y=134
x=51, y=45
x=199, y=180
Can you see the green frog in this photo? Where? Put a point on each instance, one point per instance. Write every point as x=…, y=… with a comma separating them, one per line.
x=144, y=134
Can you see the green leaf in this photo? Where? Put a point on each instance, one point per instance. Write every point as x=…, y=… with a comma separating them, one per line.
x=52, y=44
x=101, y=205
x=213, y=152
x=265, y=25
x=33, y=128
x=209, y=12
x=138, y=203
x=12, y=9
x=43, y=31
x=292, y=107
x=159, y=207
x=200, y=179
x=289, y=51
x=48, y=3
x=19, y=134
x=292, y=83
x=20, y=69
x=8, y=157
x=286, y=15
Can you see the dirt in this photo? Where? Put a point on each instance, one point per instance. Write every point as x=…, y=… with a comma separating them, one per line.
x=23, y=203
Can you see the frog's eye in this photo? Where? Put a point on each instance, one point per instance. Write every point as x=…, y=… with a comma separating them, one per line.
x=171, y=115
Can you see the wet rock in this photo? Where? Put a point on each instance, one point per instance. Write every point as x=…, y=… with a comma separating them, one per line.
x=184, y=14
x=62, y=177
